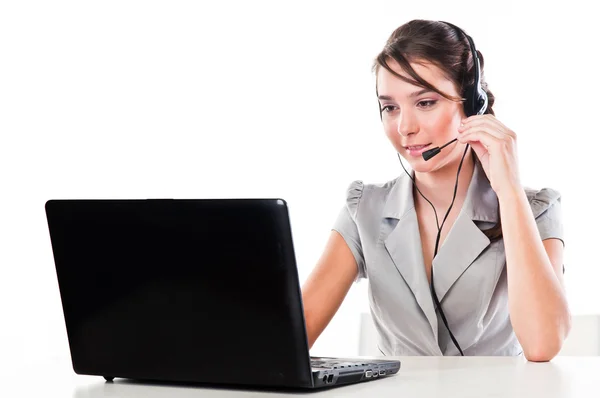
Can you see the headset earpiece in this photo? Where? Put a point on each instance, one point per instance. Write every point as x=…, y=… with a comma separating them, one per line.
x=476, y=99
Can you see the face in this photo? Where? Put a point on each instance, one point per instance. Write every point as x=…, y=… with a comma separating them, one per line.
x=413, y=117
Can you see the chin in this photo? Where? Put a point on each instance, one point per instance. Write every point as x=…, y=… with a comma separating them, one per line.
x=423, y=166
x=418, y=164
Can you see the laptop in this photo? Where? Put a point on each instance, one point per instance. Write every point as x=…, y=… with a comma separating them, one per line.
x=189, y=290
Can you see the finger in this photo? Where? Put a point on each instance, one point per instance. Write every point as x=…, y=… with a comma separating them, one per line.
x=488, y=140
x=481, y=120
x=487, y=120
x=482, y=127
x=478, y=118
x=480, y=150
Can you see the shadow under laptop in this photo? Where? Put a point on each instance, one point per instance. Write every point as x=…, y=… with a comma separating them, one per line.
x=156, y=389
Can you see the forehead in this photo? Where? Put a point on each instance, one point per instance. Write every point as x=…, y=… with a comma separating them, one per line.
x=389, y=84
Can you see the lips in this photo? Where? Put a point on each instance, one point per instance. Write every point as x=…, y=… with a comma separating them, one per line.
x=416, y=147
x=417, y=150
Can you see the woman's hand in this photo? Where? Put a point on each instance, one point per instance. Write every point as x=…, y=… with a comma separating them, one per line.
x=496, y=147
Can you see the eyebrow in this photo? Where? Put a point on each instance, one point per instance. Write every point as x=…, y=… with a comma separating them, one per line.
x=415, y=94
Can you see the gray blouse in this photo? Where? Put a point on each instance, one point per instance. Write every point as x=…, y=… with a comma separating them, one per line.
x=379, y=224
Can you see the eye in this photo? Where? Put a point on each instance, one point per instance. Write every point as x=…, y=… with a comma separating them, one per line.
x=388, y=108
x=428, y=103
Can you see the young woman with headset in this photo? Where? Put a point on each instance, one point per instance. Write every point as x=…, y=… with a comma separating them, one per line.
x=460, y=258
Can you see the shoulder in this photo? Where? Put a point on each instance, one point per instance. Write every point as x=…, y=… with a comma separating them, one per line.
x=369, y=195
x=546, y=207
x=541, y=200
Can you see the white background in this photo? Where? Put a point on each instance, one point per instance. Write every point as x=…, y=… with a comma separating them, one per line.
x=195, y=99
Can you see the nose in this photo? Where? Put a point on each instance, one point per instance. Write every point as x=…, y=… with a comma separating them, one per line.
x=407, y=124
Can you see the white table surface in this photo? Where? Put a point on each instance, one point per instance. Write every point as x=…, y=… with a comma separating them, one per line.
x=418, y=377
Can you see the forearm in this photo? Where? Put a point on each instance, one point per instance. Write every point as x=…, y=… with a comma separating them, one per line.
x=537, y=304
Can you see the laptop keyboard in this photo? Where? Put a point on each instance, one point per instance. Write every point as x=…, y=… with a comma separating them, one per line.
x=335, y=364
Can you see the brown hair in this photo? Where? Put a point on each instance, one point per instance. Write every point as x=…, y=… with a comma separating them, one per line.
x=420, y=41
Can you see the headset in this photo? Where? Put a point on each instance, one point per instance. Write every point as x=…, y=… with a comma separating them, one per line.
x=475, y=102
x=475, y=98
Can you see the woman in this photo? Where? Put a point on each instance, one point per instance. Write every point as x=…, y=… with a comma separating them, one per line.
x=497, y=281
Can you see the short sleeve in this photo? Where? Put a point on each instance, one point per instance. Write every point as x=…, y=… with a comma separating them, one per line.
x=547, y=210
x=345, y=225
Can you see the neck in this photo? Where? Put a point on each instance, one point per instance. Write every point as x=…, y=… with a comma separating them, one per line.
x=438, y=186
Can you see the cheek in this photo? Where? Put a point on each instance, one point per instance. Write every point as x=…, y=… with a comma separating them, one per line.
x=391, y=132
x=433, y=124
x=389, y=128
x=442, y=124
x=393, y=136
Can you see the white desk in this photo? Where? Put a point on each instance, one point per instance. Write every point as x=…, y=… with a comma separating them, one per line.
x=418, y=377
